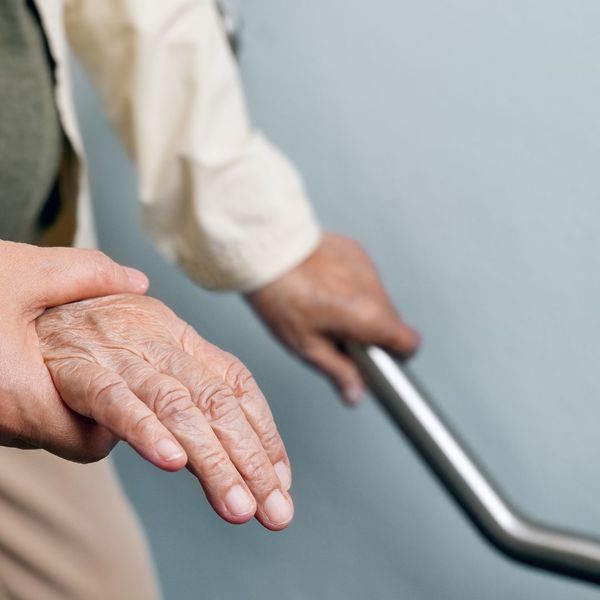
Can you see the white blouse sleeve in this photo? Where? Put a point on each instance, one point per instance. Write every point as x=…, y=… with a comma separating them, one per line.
x=216, y=195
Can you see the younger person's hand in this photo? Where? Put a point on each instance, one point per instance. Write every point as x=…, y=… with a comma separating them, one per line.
x=31, y=280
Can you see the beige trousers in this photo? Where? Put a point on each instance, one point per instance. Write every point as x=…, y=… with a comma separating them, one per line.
x=67, y=532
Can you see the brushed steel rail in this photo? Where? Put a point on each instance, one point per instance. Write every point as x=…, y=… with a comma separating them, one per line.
x=510, y=531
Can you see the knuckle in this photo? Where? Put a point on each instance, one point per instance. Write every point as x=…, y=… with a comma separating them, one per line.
x=257, y=468
x=132, y=369
x=270, y=438
x=218, y=402
x=238, y=376
x=105, y=269
x=105, y=387
x=173, y=403
x=214, y=463
x=369, y=312
x=98, y=257
x=141, y=427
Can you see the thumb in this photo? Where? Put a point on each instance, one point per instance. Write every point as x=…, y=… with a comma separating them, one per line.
x=64, y=275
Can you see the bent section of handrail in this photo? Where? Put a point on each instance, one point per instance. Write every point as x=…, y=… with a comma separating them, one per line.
x=511, y=532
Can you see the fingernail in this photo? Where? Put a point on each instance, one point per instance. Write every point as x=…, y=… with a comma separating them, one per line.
x=238, y=502
x=168, y=450
x=353, y=394
x=284, y=474
x=277, y=508
x=137, y=278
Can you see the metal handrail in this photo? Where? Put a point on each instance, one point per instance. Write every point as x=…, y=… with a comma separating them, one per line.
x=517, y=536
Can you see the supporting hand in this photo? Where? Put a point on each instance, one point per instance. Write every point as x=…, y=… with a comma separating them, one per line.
x=32, y=279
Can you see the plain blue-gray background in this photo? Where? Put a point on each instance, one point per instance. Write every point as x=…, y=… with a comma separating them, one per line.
x=460, y=142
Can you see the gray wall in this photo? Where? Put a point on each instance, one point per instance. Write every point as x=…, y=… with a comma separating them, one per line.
x=459, y=141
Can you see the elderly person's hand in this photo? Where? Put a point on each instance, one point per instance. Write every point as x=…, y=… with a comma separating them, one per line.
x=130, y=364
x=333, y=297
x=31, y=280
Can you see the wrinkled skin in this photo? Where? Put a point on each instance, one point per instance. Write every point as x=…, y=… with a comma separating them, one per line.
x=333, y=297
x=127, y=368
x=130, y=364
x=31, y=280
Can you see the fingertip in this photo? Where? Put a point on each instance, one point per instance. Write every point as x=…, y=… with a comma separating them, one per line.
x=353, y=395
x=405, y=342
x=414, y=340
x=137, y=279
x=236, y=519
x=170, y=466
x=170, y=456
x=239, y=504
x=277, y=511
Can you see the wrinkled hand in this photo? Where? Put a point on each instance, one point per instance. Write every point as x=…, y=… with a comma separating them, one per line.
x=32, y=279
x=333, y=297
x=130, y=364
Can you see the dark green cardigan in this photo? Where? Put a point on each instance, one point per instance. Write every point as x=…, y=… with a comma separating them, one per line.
x=30, y=133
